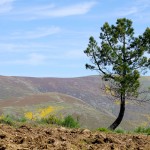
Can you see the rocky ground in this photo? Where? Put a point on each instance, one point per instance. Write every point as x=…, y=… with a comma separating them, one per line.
x=26, y=137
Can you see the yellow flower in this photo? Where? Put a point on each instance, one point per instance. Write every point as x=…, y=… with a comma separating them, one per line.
x=29, y=115
x=45, y=111
x=2, y=117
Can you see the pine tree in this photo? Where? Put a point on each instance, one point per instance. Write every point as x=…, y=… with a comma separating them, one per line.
x=120, y=59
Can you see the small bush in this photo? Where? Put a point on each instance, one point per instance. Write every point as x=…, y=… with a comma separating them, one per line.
x=119, y=131
x=51, y=120
x=6, y=120
x=139, y=130
x=70, y=122
x=142, y=130
x=103, y=129
x=21, y=119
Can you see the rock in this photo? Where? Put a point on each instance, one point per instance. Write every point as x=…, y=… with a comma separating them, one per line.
x=62, y=138
x=86, y=131
x=62, y=129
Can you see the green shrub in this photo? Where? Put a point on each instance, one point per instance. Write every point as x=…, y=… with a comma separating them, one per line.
x=103, y=129
x=119, y=131
x=70, y=122
x=142, y=130
x=21, y=119
x=7, y=120
x=50, y=120
x=139, y=130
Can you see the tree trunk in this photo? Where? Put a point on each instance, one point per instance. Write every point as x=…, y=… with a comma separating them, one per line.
x=115, y=124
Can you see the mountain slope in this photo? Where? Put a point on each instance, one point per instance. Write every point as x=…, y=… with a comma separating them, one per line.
x=87, y=89
x=63, y=105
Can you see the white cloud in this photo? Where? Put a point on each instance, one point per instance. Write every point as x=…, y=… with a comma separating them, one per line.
x=144, y=7
x=36, y=59
x=6, y=6
x=51, y=10
x=25, y=47
x=7, y=47
x=32, y=59
x=127, y=11
x=77, y=9
x=33, y=12
x=37, y=33
x=3, y=2
x=142, y=2
x=135, y=9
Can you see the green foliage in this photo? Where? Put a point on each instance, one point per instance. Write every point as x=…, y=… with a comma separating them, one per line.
x=102, y=129
x=107, y=130
x=122, y=52
x=70, y=122
x=143, y=130
x=22, y=119
x=120, y=131
x=51, y=119
x=7, y=120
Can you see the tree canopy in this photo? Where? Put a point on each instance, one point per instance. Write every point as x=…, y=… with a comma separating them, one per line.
x=120, y=58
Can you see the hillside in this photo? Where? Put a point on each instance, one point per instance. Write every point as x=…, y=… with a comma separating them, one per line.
x=17, y=92
x=63, y=105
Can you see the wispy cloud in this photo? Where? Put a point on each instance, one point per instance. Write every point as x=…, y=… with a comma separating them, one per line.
x=127, y=11
x=35, y=59
x=77, y=9
x=32, y=59
x=51, y=10
x=142, y=2
x=137, y=9
x=36, y=33
x=144, y=7
x=26, y=47
x=6, y=6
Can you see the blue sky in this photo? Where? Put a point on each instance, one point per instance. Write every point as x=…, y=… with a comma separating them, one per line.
x=46, y=38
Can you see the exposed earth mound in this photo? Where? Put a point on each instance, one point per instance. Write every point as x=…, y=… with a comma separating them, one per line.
x=39, y=138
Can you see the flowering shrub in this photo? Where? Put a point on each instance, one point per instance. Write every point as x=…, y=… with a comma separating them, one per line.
x=29, y=115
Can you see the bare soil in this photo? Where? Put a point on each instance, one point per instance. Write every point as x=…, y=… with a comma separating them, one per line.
x=26, y=137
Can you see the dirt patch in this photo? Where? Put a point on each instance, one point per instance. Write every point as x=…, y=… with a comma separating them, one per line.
x=40, y=138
